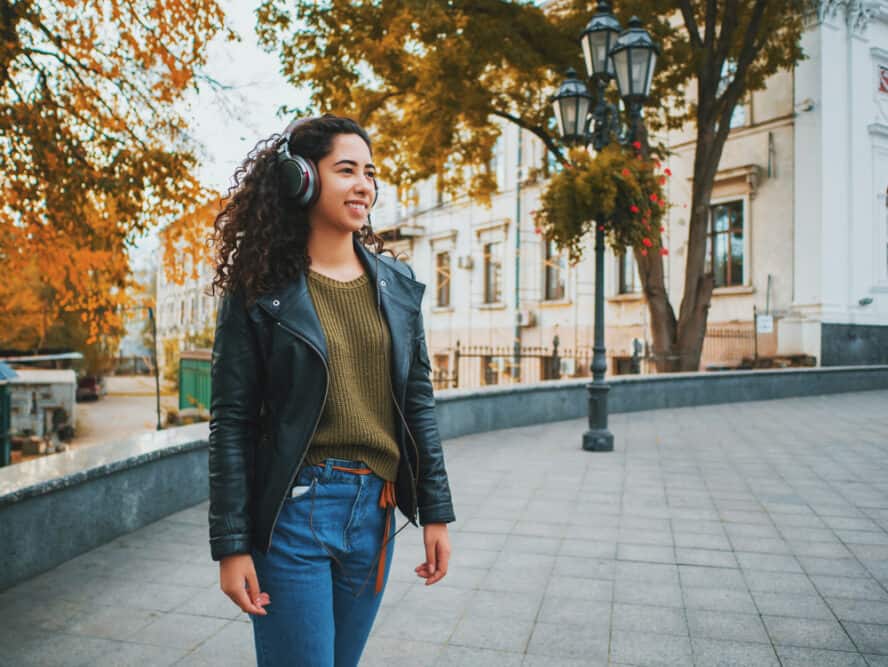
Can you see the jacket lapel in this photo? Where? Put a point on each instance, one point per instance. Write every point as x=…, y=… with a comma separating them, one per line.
x=292, y=306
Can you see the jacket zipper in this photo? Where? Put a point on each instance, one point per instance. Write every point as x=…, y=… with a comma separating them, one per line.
x=313, y=431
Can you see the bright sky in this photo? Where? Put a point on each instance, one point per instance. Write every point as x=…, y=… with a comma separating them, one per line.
x=228, y=124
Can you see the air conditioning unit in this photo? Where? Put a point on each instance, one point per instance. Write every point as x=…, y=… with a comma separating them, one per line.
x=526, y=318
x=568, y=367
x=465, y=262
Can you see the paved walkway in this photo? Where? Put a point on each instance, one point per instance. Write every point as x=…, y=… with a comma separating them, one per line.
x=747, y=534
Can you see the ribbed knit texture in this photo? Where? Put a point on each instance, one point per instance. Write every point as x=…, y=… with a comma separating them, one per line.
x=358, y=422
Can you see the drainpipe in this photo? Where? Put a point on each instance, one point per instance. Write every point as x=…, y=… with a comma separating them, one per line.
x=516, y=372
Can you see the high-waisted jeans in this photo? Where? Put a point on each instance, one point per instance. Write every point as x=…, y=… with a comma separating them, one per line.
x=321, y=610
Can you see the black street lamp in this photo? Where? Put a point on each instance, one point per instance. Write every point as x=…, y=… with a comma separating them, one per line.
x=629, y=56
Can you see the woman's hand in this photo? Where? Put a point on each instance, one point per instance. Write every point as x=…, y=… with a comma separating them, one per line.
x=234, y=572
x=437, y=546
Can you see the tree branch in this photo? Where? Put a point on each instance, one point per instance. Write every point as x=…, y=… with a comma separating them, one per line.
x=536, y=130
x=691, y=23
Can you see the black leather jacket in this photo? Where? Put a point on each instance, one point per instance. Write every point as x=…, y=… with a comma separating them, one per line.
x=269, y=385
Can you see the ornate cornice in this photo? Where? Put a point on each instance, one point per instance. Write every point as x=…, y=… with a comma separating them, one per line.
x=856, y=13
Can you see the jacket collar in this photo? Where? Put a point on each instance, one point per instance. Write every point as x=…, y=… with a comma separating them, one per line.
x=398, y=296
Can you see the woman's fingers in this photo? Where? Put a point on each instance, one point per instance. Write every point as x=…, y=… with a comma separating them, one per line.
x=254, y=596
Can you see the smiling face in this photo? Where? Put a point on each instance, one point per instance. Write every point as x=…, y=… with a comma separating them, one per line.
x=346, y=176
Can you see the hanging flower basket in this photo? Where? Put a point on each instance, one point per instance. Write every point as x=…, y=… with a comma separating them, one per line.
x=617, y=190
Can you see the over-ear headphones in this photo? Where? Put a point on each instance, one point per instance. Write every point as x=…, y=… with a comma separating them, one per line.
x=299, y=180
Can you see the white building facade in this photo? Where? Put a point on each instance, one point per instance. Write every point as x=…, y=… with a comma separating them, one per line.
x=840, y=278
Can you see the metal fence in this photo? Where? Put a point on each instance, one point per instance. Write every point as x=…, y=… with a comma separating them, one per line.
x=480, y=365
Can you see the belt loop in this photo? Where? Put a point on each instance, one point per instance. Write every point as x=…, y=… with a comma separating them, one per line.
x=328, y=469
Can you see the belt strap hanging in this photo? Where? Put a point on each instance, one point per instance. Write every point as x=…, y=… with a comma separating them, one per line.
x=387, y=502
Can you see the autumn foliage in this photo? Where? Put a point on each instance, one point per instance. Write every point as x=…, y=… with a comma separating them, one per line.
x=94, y=151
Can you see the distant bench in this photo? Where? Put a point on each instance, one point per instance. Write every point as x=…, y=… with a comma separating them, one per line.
x=55, y=508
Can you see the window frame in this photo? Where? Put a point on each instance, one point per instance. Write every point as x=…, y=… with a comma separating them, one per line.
x=549, y=269
x=446, y=286
x=746, y=267
x=621, y=274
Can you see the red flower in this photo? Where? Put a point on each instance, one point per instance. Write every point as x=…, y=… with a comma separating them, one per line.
x=633, y=209
x=600, y=228
x=654, y=197
x=636, y=145
x=537, y=230
x=662, y=229
x=663, y=252
x=667, y=171
x=657, y=164
x=647, y=241
x=662, y=180
x=644, y=252
x=625, y=171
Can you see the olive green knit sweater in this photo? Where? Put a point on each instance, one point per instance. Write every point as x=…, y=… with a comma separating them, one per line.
x=358, y=421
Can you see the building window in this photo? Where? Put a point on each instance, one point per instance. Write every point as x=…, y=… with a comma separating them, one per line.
x=442, y=279
x=629, y=281
x=724, y=243
x=489, y=370
x=555, y=272
x=493, y=264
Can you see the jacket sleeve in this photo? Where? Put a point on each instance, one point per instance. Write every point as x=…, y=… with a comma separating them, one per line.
x=234, y=418
x=435, y=503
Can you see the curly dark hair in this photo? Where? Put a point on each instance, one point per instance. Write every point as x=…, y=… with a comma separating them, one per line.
x=259, y=243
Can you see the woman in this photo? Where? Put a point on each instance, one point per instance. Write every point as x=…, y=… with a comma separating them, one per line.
x=322, y=411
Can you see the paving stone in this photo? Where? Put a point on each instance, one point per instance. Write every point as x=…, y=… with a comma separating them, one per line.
x=807, y=632
x=501, y=603
x=507, y=633
x=462, y=656
x=836, y=567
x=799, y=605
x=778, y=582
x=388, y=652
x=721, y=599
x=728, y=653
x=594, y=614
x=769, y=562
x=707, y=557
x=860, y=611
x=647, y=553
x=587, y=589
x=644, y=592
x=726, y=625
x=702, y=541
x=869, y=638
x=794, y=656
x=849, y=587
x=647, y=618
x=569, y=641
x=711, y=577
x=647, y=648
x=180, y=630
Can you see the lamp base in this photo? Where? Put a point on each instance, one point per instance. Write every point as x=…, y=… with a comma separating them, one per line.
x=598, y=440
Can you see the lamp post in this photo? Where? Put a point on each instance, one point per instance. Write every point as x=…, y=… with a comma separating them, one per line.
x=629, y=56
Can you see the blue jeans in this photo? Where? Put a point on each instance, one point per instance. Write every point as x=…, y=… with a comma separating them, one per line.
x=321, y=611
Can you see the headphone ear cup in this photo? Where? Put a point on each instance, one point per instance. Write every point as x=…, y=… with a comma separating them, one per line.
x=299, y=180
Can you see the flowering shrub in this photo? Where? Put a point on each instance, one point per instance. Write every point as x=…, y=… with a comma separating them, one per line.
x=618, y=189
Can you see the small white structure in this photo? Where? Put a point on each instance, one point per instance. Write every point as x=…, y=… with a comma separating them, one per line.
x=36, y=395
